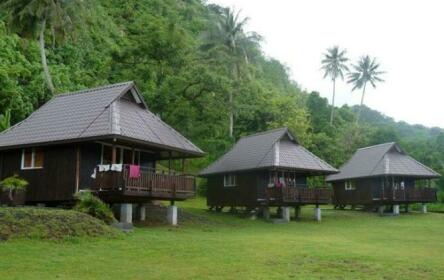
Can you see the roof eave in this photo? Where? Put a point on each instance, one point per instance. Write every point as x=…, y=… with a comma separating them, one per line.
x=382, y=175
x=190, y=153
x=271, y=167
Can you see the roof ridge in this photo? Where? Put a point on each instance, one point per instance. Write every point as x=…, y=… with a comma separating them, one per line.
x=320, y=159
x=92, y=89
x=374, y=146
x=149, y=127
x=272, y=148
x=92, y=122
x=205, y=170
x=383, y=156
x=265, y=132
x=377, y=164
x=176, y=134
x=272, y=144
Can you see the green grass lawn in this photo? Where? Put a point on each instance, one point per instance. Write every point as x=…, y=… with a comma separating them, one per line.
x=345, y=245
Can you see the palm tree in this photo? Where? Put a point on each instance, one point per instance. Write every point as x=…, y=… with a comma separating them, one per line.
x=31, y=18
x=237, y=43
x=365, y=71
x=333, y=64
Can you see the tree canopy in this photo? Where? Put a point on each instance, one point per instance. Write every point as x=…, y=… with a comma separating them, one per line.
x=163, y=45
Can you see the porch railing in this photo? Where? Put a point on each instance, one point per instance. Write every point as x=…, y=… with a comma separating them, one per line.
x=307, y=195
x=414, y=195
x=150, y=182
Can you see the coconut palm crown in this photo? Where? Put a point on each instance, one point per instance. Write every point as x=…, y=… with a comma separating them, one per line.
x=334, y=65
x=365, y=71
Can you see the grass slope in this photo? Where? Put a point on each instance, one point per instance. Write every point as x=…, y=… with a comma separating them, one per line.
x=345, y=245
x=49, y=223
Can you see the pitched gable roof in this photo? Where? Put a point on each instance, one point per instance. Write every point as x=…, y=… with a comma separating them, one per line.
x=115, y=110
x=269, y=149
x=380, y=160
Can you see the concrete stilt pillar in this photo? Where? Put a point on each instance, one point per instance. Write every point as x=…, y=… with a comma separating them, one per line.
x=317, y=213
x=424, y=208
x=172, y=215
x=396, y=209
x=297, y=212
x=126, y=213
x=266, y=213
x=142, y=212
x=381, y=209
x=253, y=214
x=286, y=214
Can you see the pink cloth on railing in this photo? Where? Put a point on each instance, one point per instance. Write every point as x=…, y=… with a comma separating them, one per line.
x=134, y=171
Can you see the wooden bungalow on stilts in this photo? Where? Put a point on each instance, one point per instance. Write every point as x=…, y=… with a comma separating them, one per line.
x=103, y=140
x=265, y=170
x=380, y=176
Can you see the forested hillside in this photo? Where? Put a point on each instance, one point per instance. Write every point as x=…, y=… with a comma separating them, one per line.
x=192, y=78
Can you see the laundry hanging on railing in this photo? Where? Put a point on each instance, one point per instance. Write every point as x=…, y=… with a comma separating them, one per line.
x=117, y=167
x=134, y=171
x=103, y=167
x=94, y=173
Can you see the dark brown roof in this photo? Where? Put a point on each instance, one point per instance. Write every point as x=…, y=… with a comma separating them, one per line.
x=276, y=148
x=380, y=160
x=116, y=110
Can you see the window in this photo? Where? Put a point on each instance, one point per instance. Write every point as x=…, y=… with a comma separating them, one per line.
x=32, y=158
x=350, y=185
x=229, y=180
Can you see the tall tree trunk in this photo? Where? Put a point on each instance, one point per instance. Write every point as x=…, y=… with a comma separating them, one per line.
x=333, y=102
x=11, y=197
x=235, y=75
x=43, y=57
x=362, y=103
x=230, y=101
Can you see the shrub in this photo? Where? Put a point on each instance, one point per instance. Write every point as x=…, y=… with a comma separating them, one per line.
x=440, y=196
x=12, y=185
x=202, y=188
x=50, y=223
x=92, y=205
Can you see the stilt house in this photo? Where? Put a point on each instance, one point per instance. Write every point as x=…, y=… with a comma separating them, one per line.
x=382, y=175
x=266, y=169
x=102, y=139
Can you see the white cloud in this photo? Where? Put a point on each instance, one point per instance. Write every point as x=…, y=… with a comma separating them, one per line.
x=405, y=36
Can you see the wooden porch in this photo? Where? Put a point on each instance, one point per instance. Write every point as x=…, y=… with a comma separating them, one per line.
x=298, y=195
x=411, y=195
x=152, y=184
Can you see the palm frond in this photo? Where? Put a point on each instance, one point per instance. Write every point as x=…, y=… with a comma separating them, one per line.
x=364, y=71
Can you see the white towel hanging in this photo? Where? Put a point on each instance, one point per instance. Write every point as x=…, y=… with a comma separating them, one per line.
x=94, y=173
x=117, y=167
x=103, y=167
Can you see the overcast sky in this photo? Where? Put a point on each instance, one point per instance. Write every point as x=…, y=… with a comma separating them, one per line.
x=406, y=37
